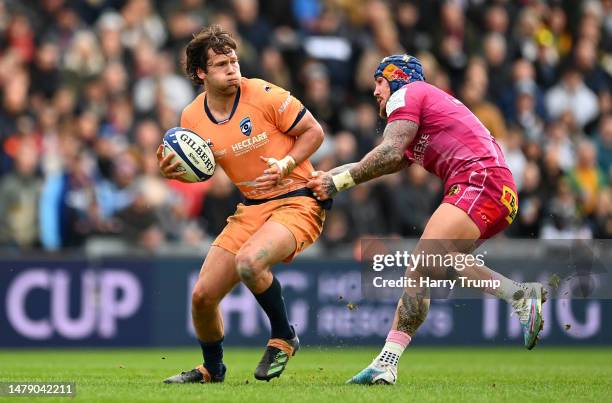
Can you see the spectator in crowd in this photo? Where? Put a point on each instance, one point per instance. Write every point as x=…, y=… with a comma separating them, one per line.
x=319, y=98
x=563, y=220
x=586, y=179
x=495, y=53
x=515, y=158
x=529, y=113
x=68, y=209
x=454, y=39
x=585, y=59
x=603, y=142
x=473, y=96
x=558, y=141
x=274, y=69
x=19, y=196
x=251, y=24
x=162, y=86
x=573, y=96
x=602, y=219
x=414, y=199
x=551, y=171
x=531, y=200
x=525, y=109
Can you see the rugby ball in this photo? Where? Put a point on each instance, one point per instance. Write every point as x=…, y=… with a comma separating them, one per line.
x=194, y=153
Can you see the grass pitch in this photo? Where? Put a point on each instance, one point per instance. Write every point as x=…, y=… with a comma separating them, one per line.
x=318, y=375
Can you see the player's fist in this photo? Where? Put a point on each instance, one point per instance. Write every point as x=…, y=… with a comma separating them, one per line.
x=283, y=166
x=277, y=170
x=322, y=185
x=166, y=167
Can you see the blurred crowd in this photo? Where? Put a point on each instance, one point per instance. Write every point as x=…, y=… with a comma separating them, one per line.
x=87, y=89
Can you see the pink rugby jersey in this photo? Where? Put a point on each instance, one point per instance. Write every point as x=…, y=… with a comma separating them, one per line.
x=451, y=141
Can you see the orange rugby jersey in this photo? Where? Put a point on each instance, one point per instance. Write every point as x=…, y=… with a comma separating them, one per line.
x=257, y=126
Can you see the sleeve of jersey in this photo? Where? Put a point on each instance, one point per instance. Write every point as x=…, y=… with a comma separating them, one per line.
x=284, y=110
x=184, y=122
x=405, y=104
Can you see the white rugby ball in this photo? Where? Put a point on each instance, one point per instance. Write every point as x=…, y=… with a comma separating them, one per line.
x=194, y=153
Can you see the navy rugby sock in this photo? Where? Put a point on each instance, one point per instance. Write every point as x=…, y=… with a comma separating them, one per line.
x=213, y=356
x=273, y=304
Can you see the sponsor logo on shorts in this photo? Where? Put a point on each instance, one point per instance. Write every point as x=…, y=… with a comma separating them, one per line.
x=246, y=126
x=453, y=190
x=509, y=200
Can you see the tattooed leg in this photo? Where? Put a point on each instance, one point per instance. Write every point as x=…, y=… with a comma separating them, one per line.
x=412, y=309
x=410, y=314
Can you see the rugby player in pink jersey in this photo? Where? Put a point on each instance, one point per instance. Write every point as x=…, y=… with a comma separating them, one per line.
x=427, y=126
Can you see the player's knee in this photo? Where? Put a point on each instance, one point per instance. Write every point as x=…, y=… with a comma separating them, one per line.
x=202, y=298
x=248, y=266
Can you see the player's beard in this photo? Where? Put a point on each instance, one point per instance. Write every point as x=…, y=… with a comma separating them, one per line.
x=382, y=109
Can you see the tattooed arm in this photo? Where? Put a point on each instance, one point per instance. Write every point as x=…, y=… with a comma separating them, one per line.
x=388, y=157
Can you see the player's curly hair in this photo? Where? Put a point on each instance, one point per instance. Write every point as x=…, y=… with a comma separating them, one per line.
x=213, y=37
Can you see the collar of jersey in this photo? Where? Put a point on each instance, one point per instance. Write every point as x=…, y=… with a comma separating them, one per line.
x=212, y=118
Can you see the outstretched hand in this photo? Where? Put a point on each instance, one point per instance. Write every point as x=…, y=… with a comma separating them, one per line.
x=322, y=185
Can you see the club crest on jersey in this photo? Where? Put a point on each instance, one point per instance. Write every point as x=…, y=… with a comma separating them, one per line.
x=246, y=126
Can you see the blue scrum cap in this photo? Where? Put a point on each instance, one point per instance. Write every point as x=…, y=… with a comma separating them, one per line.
x=400, y=70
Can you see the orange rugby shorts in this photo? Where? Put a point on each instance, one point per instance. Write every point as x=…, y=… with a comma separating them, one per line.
x=302, y=215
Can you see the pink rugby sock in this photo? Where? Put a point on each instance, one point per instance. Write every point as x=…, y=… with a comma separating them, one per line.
x=401, y=338
x=393, y=349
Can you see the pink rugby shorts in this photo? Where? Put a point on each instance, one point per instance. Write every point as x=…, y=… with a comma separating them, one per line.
x=488, y=196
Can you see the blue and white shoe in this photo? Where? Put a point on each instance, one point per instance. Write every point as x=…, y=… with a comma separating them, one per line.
x=529, y=310
x=375, y=375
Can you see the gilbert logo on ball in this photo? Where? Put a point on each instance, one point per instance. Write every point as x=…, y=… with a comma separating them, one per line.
x=194, y=153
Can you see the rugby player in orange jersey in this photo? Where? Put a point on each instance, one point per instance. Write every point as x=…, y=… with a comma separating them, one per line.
x=262, y=137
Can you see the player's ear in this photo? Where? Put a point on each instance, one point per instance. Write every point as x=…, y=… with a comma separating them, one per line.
x=201, y=74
